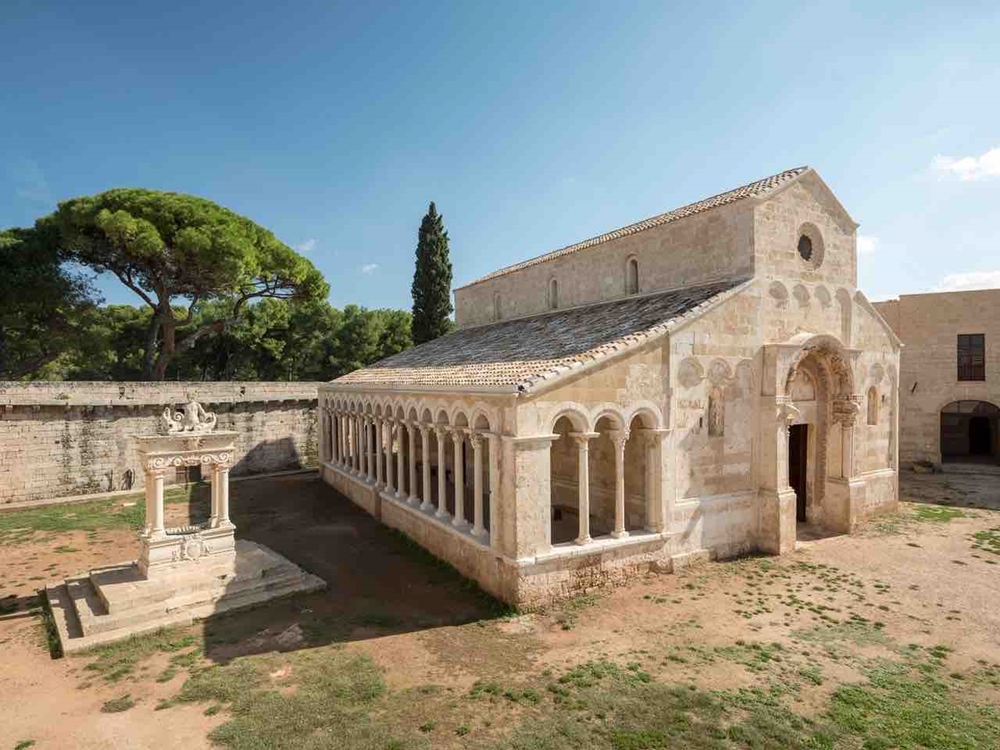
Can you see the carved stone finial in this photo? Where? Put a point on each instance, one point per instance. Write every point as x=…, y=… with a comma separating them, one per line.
x=191, y=419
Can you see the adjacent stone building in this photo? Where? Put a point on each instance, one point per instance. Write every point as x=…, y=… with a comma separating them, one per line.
x=949, y=375
x=706, y=382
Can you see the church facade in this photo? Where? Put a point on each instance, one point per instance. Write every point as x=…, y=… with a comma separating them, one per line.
x=702, y=384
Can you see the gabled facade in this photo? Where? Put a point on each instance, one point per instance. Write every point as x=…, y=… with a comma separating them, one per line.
x=702, y=383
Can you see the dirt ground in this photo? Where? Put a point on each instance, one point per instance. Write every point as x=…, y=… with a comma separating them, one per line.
x=920, y=577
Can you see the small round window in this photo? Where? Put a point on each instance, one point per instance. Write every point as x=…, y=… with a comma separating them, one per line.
x=810, y=245
x=805, y=248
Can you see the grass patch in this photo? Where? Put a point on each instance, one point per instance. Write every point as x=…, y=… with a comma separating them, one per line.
x=21, y=525
x=24, y=744
x=114, y=661
x=898, y=710
x=936, y=513
x=987, y=540
x=118, y=705
x=330, y=706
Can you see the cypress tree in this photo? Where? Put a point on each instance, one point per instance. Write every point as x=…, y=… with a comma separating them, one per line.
x=431, y=280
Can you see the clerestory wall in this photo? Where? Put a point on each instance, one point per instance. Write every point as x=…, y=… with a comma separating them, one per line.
x=59, y=439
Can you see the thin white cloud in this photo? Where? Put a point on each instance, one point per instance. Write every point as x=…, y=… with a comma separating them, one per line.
x=867, y=245
x=31, y=182
x=306, y=247
x=969, y=168
x=963, y=282
x=369, y=268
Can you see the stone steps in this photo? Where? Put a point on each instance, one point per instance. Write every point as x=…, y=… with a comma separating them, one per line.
x=113, y=603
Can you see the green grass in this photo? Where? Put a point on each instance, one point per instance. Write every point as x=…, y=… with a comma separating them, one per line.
x=118, y=705
x=24, y=744
x=123, y=512
x=21, y=525
x=115, y=661
x=936, y=513
x=987, y=540
x=330, y=706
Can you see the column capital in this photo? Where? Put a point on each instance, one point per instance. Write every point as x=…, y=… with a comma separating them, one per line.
x=652, y=434
x=442, y=431
x=458, y=434
x=618, y=437
x=476, y=438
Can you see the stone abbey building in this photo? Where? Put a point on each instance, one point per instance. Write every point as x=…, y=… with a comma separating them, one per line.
x=704, y=383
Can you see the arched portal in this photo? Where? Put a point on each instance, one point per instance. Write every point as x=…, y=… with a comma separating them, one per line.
x=817, y=412
x=970, y=432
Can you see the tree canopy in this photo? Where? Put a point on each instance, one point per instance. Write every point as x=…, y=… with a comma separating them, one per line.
x=273, y=340
x=180, y=253
x=431, y=288
x=44, y=307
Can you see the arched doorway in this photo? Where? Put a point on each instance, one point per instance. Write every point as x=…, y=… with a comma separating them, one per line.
x=821, y=415
x=969, y=432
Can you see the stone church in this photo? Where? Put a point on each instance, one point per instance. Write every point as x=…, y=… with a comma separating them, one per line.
x=701, y=384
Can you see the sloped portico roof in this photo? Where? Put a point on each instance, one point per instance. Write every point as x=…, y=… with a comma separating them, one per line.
x=517, y=355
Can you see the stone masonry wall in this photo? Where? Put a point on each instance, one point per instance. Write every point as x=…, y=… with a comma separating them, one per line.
x=59, y=439
x=928, y=325
x=704, y=247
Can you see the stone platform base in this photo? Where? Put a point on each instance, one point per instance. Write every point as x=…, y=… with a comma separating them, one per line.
x=116, y=602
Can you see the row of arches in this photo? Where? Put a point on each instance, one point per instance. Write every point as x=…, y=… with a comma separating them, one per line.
x=436, y=459
x=605, y=478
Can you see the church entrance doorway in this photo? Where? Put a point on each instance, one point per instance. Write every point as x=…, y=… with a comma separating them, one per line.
x=798, y=446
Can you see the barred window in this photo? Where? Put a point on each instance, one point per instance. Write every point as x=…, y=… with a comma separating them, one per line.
x=972, y=356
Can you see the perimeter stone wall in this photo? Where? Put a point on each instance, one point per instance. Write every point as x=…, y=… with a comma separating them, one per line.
x=59, y=439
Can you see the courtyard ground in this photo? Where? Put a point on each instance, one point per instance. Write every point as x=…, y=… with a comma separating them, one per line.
x=889, y=638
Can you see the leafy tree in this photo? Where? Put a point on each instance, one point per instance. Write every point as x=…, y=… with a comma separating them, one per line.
x=431, y=288
x=169, y=247
x=44, y=308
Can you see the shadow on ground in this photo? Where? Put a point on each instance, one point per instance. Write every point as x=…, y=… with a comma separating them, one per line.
x=378, y=582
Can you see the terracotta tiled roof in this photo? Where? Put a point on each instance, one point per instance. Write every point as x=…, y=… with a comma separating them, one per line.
x=520, y=353
x=753, y=189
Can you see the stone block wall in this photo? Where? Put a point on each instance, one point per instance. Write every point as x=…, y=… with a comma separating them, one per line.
x=59, y=439
x=928, y=325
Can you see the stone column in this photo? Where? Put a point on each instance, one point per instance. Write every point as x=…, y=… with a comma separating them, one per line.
x=362, y=447
x=369, y=442
x=357, y=445
x=494, y=491
x=222, y=476
x=582, y=440
x=458, y=437
x=619, y=438
x=341, y=440
x=477, y=484
x=400, y=464
x=378, y=454
x=847, y=445
x=656, y=513
x=154, y=502
x=389, y=430
x=425, y=454
x=213, y=519
x=442, y=511
x=411, y=429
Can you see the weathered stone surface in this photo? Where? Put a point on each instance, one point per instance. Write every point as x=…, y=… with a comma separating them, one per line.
x=59, y=439
x=928, y=325
x=658, y=448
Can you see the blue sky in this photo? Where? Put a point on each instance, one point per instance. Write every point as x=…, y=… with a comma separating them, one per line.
x=531, y=125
